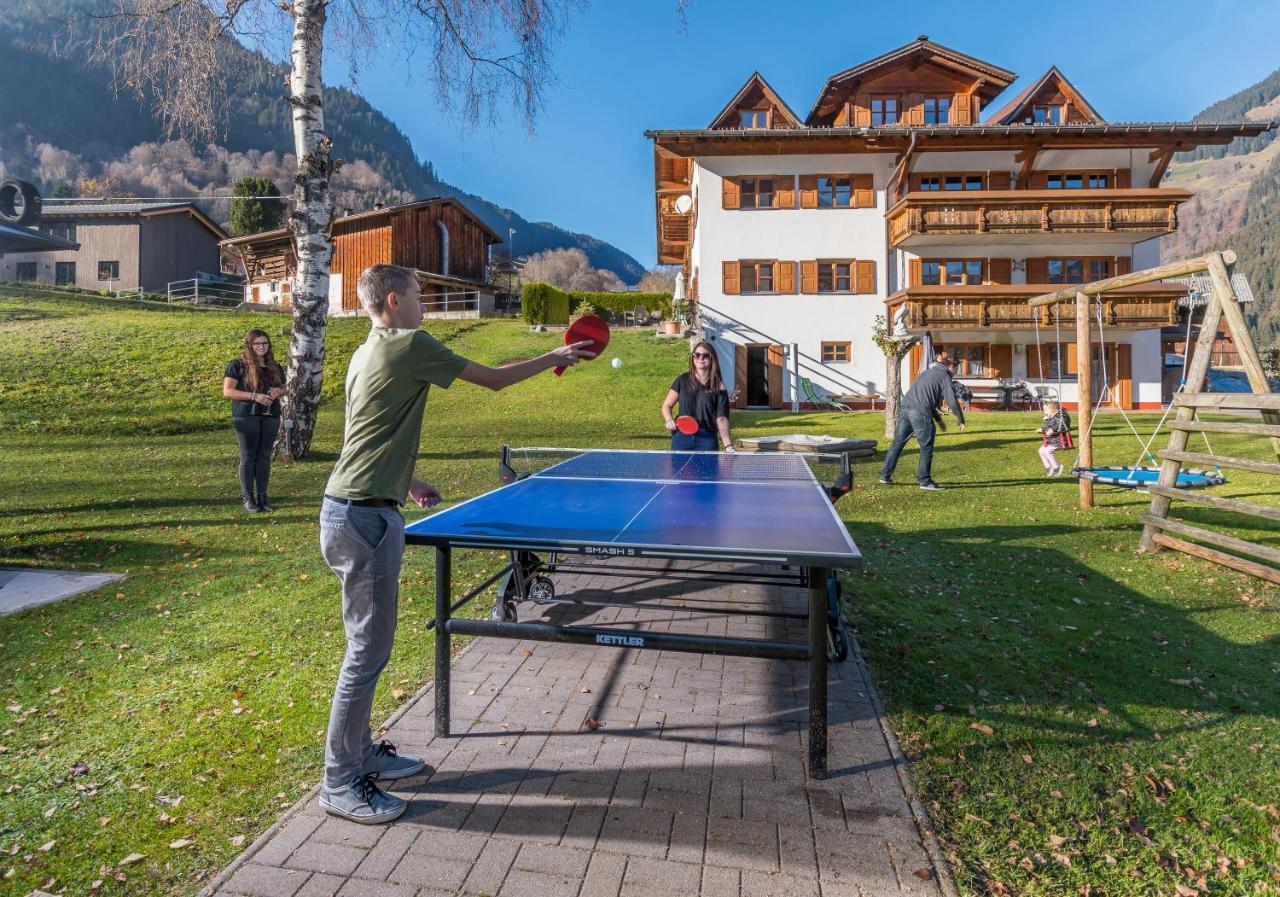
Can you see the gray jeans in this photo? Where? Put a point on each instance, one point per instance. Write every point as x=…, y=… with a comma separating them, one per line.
x=364, y=547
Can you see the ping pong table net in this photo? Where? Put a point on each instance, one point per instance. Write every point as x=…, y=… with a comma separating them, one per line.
x=830, y=471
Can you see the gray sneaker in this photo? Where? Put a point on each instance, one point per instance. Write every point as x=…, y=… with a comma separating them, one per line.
x=388, y=766
x=931, y=487
x=362, y=801
x=885, y=481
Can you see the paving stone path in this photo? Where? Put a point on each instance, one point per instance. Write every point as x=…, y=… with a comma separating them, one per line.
x=693, y=784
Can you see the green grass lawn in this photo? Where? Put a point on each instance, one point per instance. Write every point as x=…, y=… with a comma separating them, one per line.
x=1082, y=719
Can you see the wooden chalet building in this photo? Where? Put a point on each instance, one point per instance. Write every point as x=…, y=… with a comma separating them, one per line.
x=900, y=195
x=439, y=238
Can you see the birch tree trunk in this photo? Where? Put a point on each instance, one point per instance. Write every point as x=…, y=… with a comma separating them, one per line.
x=311, y=223
x=892, y=392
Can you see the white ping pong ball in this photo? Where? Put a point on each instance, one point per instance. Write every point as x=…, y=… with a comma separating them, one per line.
x=617, y=362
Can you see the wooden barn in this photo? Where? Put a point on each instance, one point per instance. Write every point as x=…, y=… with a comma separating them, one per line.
x=439, y=238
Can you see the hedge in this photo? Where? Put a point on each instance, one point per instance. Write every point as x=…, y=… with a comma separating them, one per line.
x=541, y=303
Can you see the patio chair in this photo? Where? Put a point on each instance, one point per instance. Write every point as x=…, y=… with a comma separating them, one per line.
x=640, y=314
x=818, y=397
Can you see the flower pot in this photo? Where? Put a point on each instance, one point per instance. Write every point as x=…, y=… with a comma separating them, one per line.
x=674, y=328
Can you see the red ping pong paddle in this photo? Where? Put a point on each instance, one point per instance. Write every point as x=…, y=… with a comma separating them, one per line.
x=587, y=327
x=686, y=425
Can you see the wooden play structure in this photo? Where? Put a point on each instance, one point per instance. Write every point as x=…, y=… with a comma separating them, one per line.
x=1190, y=402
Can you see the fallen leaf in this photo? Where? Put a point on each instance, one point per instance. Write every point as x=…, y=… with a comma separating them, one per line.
x=237, y=840
x=103, y=820
x=80, y=769
x=1057, y=840
x=49, y=812
x=397, y=693
x=47, y=846
x=132, y=858
x=585, y=690
x=1186, y=891
x=983, y=728
x=1026, y=758
x=180, y=843
x=923, y=873
x=593, y=723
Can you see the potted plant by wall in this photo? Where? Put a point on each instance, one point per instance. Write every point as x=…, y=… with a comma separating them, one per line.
x=674, y=325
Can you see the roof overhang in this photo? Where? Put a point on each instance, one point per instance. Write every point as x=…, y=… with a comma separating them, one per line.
x=23, y=239
x=952, y=138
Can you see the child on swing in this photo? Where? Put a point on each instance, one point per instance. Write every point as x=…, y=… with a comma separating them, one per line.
x=1055, y=434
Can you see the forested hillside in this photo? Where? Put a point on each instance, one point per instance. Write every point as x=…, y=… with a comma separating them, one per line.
x=1236, y=189
x=62, y=119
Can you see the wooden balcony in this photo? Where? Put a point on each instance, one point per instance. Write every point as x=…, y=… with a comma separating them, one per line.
x=1004, y=307
x=1034, y=216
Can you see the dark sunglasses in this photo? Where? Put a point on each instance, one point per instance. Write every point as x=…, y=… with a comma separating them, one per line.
x=701, y=355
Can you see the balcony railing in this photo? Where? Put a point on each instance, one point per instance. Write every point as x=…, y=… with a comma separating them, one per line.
x=1004, y=307
x=1113, y=215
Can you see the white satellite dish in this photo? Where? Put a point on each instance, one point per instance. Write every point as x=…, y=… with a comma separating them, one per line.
x=683, y=203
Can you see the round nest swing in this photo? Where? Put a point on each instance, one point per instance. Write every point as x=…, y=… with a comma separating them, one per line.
x=1142, y=477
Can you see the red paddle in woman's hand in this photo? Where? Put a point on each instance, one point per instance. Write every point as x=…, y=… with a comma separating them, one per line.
x=587, y=327
x=686, y=425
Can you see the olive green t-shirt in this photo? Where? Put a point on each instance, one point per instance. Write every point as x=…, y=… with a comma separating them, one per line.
x=387, y=386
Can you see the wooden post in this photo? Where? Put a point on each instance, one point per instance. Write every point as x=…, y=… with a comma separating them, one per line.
x=1084, y=385
x=1240, y=335
x=1196, y=373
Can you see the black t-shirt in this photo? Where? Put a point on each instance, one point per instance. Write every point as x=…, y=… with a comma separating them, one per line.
x=239, y=408
x=703, y=405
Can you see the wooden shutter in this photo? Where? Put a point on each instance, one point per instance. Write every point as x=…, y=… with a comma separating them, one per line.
x=732, y=278
x=808, y=191
x=740, y=375
x=999, y=180
x=1124, y=265
x=999, y=270
x=915, y=109
x=730, y=193
x=1039, y=181
x=864, y=276
x=1122, y=179
x=1000, y=361
x=784, y=277
x=784, y=191
x=861, y=117
x=913, y=273
x=1124, y=375
x=1073, y=359
x=864, y=192
x=774, y=373
x=1037, y=270
x=961, y=110
x=913, y=361
x=1038, y=360
x=809, y=277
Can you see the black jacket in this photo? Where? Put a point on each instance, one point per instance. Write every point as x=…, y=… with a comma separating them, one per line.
x=930, y=389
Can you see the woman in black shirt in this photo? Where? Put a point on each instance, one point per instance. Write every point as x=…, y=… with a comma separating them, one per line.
x=701, y=395
x=254, y=382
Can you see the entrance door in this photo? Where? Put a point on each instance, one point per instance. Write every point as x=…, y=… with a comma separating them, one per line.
x=758, y=376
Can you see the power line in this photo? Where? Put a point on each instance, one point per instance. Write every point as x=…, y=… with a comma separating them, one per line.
x=150, y=199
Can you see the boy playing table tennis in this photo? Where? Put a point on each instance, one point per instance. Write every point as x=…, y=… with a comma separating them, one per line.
x=361, y=530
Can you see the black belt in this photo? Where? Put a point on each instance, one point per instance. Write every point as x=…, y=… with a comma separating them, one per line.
x=365, y=502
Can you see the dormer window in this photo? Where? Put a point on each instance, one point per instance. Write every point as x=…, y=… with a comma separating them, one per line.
x=937, y=110
x=1048, y=115
x=884, y=111
x=755, y=119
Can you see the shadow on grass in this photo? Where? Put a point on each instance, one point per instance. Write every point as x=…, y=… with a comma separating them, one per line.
x=1064, y=648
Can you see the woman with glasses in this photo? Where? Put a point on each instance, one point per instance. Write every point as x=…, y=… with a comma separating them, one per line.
x=701, y=395
x=254, y=382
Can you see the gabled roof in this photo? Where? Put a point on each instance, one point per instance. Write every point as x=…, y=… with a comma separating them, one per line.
x=140, y=208
x=756, y=84
x=997, y=78
x=1015, y=110
x=490, y=236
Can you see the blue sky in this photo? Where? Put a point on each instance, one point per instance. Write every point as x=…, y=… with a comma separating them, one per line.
x=625, y=66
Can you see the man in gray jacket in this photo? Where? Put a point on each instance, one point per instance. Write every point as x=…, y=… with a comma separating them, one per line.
x=916, y=419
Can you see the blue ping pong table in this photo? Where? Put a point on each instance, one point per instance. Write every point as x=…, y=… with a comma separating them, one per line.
x=751, y=510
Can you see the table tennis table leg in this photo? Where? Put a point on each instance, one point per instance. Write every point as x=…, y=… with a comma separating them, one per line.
x=443, y=588
x=818, y=672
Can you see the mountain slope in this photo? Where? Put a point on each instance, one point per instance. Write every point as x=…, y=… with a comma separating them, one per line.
x=1237, y=189
x=55, y=102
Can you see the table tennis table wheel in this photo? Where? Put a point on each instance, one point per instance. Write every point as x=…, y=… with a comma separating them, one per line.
x=504, y=612
x=542, y=588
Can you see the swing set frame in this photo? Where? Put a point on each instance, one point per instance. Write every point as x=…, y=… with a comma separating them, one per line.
x=1190, y=400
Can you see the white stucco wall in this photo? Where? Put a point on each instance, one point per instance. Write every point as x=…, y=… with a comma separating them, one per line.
x=802, y=234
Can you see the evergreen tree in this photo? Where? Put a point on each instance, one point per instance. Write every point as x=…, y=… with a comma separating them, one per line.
x=253, y=216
